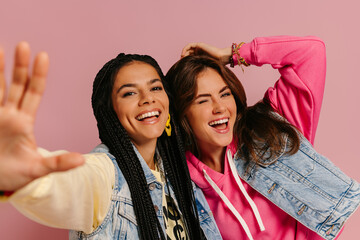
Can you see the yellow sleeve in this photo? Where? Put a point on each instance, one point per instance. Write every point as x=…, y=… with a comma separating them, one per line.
x=77, y=199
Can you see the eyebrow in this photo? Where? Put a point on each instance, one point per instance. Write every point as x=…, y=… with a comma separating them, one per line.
x=208, y=94
x=150, y=82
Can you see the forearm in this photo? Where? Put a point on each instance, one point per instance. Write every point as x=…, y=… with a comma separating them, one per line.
x=77, y=199
x=301, y=61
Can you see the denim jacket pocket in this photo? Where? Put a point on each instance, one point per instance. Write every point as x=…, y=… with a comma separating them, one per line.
x=126, y=210
x=124, y=219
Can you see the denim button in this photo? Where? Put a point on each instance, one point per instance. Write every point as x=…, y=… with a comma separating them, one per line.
x=152, y=186
x=156, y=208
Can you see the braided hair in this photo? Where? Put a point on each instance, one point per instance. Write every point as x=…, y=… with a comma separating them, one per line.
x=171, y=150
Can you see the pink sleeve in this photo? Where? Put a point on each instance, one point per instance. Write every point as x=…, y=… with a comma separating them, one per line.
x=301, y=62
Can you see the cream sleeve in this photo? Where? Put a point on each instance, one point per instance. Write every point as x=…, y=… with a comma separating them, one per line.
x=76, y=199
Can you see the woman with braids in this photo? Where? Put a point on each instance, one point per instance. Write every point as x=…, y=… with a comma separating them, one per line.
x=135, y=185
x=286, y=190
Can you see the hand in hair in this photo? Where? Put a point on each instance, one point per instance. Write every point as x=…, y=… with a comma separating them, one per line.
x=222, y=54
x=20, y=163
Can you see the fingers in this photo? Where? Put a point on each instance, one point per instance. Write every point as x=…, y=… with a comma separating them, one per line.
x=201, y=48
x=25, y=93
x=36, y=85
x=189, y=49
x=20, y=73
x=2, y=77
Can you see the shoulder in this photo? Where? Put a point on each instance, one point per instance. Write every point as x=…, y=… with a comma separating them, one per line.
x=102, y=156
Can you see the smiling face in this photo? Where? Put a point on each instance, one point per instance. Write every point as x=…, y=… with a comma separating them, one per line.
x=140, y=102
x=212, y=114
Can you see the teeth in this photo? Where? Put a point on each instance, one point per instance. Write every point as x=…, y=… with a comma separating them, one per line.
x=148, y=114
x=219, y=122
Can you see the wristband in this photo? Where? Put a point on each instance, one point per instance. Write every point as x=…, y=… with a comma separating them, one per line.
x=236, y=55
x=4, y=195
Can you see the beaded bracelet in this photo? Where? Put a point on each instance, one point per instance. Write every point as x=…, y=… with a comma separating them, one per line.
x=236, y=55
x=4, y=195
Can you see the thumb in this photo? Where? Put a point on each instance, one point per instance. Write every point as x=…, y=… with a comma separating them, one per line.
x=59, y=163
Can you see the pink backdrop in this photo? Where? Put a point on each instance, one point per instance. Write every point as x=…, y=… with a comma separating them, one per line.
x=81, y=35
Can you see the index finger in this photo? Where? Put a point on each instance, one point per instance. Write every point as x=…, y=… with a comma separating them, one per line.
x=36, y=86
x=20, y=74
x=2, y=76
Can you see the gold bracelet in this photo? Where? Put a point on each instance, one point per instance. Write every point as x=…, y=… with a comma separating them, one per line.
x=241, y=60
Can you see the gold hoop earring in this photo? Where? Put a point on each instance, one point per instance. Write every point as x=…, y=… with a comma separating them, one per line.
x=168, y=126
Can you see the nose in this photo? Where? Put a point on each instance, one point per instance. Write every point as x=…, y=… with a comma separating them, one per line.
x=218, y=107
x=146, y=98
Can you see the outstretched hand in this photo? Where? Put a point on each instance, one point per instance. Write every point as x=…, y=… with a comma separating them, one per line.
x=20, y=163
x=222, y=54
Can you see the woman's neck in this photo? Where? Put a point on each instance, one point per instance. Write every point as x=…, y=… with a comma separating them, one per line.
x=147, y=151
x=213, y=157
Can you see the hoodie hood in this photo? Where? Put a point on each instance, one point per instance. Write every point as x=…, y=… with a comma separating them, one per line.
x=196, y=168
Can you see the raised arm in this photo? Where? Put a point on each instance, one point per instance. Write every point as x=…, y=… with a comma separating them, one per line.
x=44, y=191
x=77, y=199
x=298, y=93
x=20, y=163
x=301, y=62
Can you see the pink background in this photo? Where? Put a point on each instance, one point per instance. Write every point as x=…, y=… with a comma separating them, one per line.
x=81, y=35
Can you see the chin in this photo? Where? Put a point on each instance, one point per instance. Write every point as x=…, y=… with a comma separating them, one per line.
x=224, y=142
x=156, y=134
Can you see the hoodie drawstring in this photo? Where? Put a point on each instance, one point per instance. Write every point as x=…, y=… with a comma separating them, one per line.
x=242, y=188
x=229, y=204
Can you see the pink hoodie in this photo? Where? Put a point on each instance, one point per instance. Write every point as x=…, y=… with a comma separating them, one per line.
x=297, y=95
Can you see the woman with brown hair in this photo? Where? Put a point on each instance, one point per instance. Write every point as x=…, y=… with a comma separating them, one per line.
x=284, y=182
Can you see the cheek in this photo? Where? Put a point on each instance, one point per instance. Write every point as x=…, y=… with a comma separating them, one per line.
x=166, y=104
x=164, y=101
x=116, y=106
x=122, y=110
x=233, y=108
x=197, y=123
x=191, y=117
x=121, y=117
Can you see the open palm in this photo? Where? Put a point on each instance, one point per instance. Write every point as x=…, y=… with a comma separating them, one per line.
x=20, y=162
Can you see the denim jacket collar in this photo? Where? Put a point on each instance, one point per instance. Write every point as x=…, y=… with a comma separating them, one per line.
x=147, y=171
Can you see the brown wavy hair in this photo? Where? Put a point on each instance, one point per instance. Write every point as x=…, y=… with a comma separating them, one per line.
x=259, y=130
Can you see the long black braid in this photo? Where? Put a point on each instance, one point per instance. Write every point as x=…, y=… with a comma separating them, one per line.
x=171, y=149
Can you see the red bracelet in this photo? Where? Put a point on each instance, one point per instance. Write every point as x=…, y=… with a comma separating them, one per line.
x=4, y=195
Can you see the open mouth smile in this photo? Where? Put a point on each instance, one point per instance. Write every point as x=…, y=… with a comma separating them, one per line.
x=220, y=124
x=148, y=115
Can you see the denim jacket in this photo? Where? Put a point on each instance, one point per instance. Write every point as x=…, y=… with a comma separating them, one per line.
x=120, y=221
x=305, y=185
